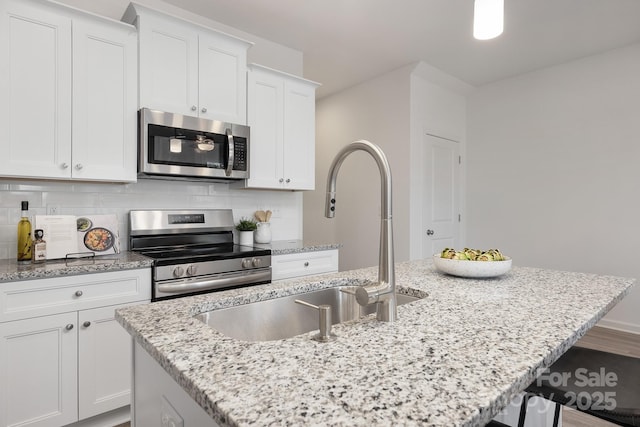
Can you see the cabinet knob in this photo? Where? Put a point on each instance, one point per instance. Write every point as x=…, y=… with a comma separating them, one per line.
x=78, y=293
x=69, y=327
x=288, y=180
x=204, y=109
x=86, y=324
x=64, y=165
x=79, y=166
x=194, y=108
x=306, y=264
x=281, y=180
x=430, y=232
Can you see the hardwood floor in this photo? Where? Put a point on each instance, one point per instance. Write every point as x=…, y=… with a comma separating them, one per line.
x=603, y=339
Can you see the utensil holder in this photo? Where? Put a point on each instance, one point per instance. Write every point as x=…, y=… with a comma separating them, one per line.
x=263, y=233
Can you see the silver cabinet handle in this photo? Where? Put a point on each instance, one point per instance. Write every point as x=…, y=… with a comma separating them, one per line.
x=430, y=232
x=86, y=324
x=194, y=108
x=64, y=165
x=69, y=327
x=78, y=293
x=204, y=109
x=79, y=166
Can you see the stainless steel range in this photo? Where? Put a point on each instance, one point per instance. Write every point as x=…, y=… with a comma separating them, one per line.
x=193, y=252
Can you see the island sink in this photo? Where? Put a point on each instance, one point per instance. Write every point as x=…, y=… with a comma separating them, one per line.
x=281, y=318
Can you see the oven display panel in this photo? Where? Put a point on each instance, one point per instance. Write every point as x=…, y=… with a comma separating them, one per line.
x=186, y=218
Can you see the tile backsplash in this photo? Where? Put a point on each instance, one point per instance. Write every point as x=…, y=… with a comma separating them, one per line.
x=78, y=198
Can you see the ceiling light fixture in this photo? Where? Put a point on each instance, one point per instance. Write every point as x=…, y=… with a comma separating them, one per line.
x=488, y=19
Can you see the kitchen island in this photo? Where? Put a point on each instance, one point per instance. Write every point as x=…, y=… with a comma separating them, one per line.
x=455, y=357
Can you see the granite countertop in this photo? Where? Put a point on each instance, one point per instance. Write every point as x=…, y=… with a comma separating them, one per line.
x=283, y=247
x=11, y=271
x=454, y=358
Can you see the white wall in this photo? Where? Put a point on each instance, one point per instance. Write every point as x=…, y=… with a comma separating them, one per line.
x=553, y=173
x=378, y=111
x=394, y=111
x=75, y=198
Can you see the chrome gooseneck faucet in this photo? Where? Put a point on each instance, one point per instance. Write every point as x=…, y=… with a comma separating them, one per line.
x=383, y=293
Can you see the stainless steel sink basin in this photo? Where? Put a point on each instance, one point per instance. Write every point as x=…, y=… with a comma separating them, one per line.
x=280, y=318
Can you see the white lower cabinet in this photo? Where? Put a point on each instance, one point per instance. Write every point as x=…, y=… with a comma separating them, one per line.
x=104, y=362
x=159, y=401
x=61, y=368
x=288, y=266
x=38, y=361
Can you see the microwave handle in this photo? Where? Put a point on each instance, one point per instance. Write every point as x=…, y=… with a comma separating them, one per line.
x=231, y=157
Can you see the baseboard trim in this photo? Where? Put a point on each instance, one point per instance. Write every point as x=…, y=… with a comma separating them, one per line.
x=620, y=326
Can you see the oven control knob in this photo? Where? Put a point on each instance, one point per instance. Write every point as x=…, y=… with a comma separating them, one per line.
x=191, y=270
x=256, y=262
x=246, y=263
x=178, y=271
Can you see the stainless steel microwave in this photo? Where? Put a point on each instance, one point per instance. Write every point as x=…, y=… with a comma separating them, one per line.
x=185, y=147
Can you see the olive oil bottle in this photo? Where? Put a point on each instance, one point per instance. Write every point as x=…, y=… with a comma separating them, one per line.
x=24, y=236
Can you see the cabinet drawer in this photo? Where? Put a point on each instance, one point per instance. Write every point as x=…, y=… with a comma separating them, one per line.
x=40, y=297
x=304, y=264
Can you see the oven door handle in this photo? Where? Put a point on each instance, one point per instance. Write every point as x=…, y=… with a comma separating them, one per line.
x=231, y=157
x=180, y=286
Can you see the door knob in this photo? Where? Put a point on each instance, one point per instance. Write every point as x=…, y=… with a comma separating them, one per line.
x=430, y=232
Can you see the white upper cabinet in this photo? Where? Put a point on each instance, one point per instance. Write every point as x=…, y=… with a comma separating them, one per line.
x=281, y=114
x=189, y=69
x=57, y=126
x=104, y=101
x=35, y=91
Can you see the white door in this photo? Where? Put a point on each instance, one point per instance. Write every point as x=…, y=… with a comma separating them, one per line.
x=38, y=376
x=104, y=362
x=441, y=194
x=104, y=101
x=35, y=91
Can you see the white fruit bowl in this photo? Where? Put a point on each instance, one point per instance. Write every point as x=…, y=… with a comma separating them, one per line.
x=472, y=269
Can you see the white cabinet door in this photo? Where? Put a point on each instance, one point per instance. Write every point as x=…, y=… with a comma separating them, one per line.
x=281, y=113
x=104, y=362
x=299, y=135
x=168, y=65
x=38, y=370
x=265, y=117
x=222, y=78
x=104, y=101
x=35, y=91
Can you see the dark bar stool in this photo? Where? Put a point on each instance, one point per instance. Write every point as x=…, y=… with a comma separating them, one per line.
x=604, y=385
